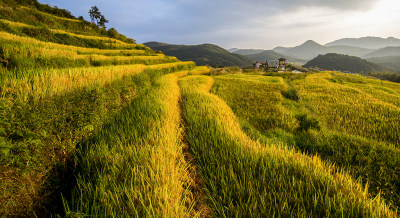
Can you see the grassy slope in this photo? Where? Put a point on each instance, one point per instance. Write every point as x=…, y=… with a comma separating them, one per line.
x=266, y=115
x=43, y=16
x=46, y=112
x=280, y=182
x=137, y=159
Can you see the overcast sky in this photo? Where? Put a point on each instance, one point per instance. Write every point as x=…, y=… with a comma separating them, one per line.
x=244, y=23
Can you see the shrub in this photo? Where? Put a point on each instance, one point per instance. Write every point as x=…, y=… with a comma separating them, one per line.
x=291, y=94
x=306, y=123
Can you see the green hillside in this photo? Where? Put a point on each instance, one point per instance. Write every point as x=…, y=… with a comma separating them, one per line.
x=99, y=126
x=340, y=62
x=205, y=54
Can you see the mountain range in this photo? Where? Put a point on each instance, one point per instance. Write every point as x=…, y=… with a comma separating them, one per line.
x=367, y=42
x=381, y=51
x=377, y=50
x=204, y=54
x=366, y=47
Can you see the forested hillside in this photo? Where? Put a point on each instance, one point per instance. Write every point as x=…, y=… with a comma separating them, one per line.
x=340, y=62
x=205, y=54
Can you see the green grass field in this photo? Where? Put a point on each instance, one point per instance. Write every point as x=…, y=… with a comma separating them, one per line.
x=97, y=125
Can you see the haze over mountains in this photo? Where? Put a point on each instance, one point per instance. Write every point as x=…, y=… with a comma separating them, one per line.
x=385, y=52
x=367, y=42
x=365, y=47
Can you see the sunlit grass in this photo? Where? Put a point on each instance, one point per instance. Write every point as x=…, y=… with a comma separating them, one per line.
x=245, y=178
x=374, y=163
x=135, y=165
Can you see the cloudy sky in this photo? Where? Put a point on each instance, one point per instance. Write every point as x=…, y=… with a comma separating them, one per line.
x=244, y=23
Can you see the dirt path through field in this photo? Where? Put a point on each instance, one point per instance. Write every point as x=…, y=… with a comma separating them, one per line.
x=197, y=187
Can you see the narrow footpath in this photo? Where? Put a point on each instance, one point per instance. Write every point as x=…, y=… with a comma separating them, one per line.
x=197, y=186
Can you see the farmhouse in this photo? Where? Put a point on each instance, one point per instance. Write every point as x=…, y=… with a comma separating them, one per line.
x=280, y=64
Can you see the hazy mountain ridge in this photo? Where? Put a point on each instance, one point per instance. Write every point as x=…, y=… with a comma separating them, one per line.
x=248, y=51
x=384, y=52
x=311, y=49
x=367, y=42
x=204, y=54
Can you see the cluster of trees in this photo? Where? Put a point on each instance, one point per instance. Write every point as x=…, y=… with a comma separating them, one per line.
x=390, y=76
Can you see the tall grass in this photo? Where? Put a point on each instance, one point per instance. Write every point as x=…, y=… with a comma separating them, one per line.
x=245, y=178
x=135, y=166
x=42, y=83
x=24, y=53
x=257, y=98
x=350, y=109
x=374, y=163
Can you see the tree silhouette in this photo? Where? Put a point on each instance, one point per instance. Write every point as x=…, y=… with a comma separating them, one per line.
x=97, y=18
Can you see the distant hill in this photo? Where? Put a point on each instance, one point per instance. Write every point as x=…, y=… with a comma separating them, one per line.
x=341, y=62
x=311, y=49
x=391, y=63
x=367, y=42
x=205, y=54
x=280, y=49
x=248, y=51
x=272, y=55
x=349, y=50
x=384, y=52
x=307, y=50
x=233, y=49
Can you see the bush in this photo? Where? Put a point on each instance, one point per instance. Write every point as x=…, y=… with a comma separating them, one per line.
x=113, y=33
x=291, y=94
x=306, y=123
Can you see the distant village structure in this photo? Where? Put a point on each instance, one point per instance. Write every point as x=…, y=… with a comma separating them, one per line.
x=282, y=64
x=275, y=65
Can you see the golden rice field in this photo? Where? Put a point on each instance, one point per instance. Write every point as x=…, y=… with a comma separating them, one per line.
x=343, y=118
x=94, y=126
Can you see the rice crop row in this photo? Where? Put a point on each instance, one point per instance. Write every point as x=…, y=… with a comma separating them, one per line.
x=42, y=83
x=45, y=113
x=46, y=14
x=350, y=109
x=199, y=70
x=116, y=42
x=257, y=98
x=26, y=42
x=22, y=52
x=246, y=178
x=135, y=166
x=374, y=163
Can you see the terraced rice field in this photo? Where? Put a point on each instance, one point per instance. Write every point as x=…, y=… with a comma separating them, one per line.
x=98, y=126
